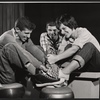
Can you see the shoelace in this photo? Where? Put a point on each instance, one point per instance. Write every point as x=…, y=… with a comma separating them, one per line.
x=53, y=70
x=48, y=75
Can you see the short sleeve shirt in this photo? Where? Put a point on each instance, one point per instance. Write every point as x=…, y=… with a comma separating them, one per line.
x=80, y=37
x=83, y=36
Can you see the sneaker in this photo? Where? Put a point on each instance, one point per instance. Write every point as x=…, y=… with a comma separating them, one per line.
x=48, y=78
x=61, y=85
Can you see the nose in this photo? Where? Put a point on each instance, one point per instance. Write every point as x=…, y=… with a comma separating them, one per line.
x=52, y=32
x=62, y=31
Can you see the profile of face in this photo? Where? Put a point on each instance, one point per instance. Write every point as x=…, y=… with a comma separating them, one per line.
x=24, y=34
x=52, y=32
x=66, y=30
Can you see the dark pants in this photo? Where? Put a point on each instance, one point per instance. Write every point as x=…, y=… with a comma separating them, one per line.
x=91, y=57
x=12, y=64
x=88, y=57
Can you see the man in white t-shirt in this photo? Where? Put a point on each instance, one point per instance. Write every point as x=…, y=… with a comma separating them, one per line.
x=84, y=49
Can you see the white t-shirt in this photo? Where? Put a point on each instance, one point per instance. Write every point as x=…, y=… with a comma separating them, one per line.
x=82, y=36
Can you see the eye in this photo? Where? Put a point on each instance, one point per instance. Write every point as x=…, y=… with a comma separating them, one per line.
x=49, y=30
x=63, y=28
x=54, y=30
x=27, y=33
x=66, y=31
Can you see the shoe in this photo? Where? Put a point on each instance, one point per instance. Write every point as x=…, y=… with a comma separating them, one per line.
x=48, y=78
x=61, y=85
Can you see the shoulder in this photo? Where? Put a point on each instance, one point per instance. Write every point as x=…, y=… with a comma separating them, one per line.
x=7, y=34
x=44, y=34
x=6, y=37
x=82, y=30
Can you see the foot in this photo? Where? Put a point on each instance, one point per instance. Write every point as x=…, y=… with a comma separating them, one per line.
x=62, y=75
x=49, y=77
x=44, y=79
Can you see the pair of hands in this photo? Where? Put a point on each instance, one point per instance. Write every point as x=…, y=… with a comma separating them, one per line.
x=51, y=58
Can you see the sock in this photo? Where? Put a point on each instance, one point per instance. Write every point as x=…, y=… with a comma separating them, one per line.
x=62, y=75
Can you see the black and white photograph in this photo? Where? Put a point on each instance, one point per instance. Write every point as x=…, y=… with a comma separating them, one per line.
x=50, y=50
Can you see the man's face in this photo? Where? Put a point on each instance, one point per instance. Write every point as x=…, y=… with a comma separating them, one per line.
x=65, y=30
x=52, y=32
x=24, y=34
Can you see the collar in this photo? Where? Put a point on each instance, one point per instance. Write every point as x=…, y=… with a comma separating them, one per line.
x=14, y=34
x=52, y=40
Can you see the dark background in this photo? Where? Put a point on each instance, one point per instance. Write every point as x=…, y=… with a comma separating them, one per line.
x=86, y=14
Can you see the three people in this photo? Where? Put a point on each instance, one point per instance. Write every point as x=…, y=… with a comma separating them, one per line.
x=20, y=57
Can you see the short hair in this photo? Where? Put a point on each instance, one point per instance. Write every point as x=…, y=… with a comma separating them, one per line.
x=51, y=23
x=67, y=20
x=23, y=22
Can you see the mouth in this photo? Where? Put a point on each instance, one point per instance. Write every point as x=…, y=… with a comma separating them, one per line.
x=24, y=39
x=66, y=35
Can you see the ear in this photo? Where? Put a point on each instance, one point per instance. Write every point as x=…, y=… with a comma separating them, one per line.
x=17, y=29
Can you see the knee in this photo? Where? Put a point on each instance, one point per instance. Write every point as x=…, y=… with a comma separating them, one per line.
x=9, y=78
x=9, y=46
x=89, y=45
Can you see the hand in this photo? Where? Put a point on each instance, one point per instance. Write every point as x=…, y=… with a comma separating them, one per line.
x=51, y=58
x=42, y=67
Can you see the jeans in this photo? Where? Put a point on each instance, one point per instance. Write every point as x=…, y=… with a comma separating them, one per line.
x=88, y=57
x=91, y=57
x=12, y=64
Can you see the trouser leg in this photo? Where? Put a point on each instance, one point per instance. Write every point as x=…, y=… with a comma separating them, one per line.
x=12, y=62
x=23, y=55
x=89, y=58
x=86, y=59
